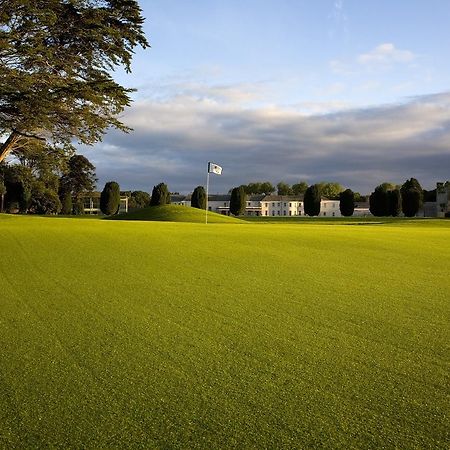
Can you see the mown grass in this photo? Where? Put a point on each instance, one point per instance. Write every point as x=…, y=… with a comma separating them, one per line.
x=174, y=213
x=176, y=335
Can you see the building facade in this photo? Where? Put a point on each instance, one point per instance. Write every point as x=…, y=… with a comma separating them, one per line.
x=272, y=205
x=442, y=199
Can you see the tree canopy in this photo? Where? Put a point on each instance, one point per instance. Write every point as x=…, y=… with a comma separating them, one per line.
x=56, y=58
x=160, y=195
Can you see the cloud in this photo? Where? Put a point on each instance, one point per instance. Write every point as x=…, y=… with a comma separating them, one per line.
x=383, y=57
x=386, y=54
x=174, y=138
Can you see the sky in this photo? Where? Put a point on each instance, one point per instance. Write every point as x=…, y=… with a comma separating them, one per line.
x=350, y=91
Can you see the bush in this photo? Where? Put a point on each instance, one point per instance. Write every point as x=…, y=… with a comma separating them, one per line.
x=198, y=199
x=44, y=201
x=110, y=198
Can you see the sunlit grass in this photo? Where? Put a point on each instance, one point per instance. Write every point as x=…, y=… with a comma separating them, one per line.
x=177, y=335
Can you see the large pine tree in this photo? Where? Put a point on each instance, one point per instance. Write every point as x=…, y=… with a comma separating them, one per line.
x=56, y=59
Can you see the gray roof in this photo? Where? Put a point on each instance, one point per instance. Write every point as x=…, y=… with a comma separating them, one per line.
x=283, y=198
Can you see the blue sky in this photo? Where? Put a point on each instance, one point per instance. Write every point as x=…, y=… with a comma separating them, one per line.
x=338, y=90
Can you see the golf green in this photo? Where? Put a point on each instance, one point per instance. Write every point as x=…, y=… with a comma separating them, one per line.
x=132, y=334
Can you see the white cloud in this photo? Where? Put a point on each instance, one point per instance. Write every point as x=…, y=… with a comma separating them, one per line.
x=386, y=54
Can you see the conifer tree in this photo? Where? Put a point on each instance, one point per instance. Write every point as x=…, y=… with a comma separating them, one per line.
x=110, y=198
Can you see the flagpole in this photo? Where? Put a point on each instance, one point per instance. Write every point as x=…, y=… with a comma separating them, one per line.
x=207, y=188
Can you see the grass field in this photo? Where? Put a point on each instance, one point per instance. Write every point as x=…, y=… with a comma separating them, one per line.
x=122, y=334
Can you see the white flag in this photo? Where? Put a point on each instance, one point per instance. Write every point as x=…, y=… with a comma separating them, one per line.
x=214, y=168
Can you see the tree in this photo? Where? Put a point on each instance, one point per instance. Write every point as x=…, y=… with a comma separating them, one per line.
x=299, y=188
x=2, y=195
x=330, y=190
x=56, y=62
x=395, y=202
x=347, y=202
x=43, y=200
x=139, y=199
x=412, y=197
x=411, y=201
x=266, y=188
x=18, y=181
x=284, y=188
x=66, y=204
x=110, y=198
x=311, y=200
x=79, y=178
x=237, y=201
x=379, y=200
x=198, y=199
x=160, y=195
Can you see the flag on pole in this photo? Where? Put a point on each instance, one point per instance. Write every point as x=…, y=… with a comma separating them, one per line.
x=214, y=168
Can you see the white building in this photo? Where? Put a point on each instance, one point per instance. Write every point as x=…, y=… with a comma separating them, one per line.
x=442, y=199
x=270, y=205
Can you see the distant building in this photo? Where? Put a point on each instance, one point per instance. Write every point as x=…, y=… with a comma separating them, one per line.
x=442, y=199
x=272, y=205
x=91, y=203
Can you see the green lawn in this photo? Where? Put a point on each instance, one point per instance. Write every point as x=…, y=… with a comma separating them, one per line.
x=122, y=334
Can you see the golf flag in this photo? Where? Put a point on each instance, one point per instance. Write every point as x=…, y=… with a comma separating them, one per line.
x=214, y=168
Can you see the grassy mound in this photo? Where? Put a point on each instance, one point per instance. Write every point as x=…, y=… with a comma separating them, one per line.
x=175, y=213
x=175, y=335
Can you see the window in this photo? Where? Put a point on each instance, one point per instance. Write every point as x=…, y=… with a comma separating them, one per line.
x=324, y=213
x=248, y=203
x=278, y=212
x=334, y=214
x=285, y=204
x=273, y=213
x=224, y=203
x=285, y=212
x=290, y=213
x=290, y=204
x=273, y=204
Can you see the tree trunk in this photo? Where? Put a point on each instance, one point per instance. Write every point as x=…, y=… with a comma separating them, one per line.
x=8, y=145
x=1, y=206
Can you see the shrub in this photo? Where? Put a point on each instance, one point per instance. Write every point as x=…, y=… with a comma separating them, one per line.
x=44, y=200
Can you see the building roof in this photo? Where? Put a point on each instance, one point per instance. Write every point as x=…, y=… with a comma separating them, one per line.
x=283, y=198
